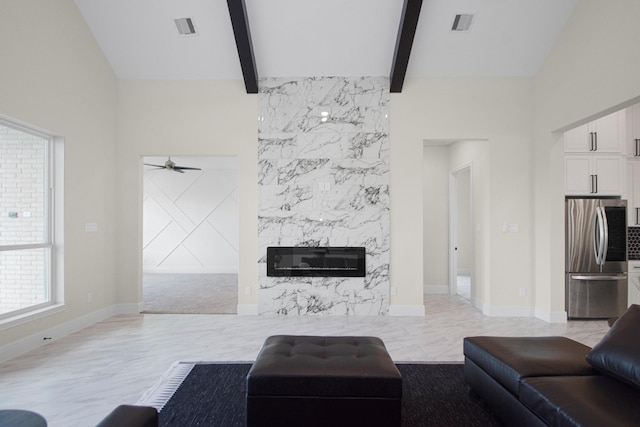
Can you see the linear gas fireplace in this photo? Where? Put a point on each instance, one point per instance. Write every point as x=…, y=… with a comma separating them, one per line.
x=316, y=261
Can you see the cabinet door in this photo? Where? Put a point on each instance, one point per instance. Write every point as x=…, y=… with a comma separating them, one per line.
x=608, y=132
x=589, y=175
x=603, y=135
x=578, y=140
x=577, y=175
x=632, y=136
x=610, y=175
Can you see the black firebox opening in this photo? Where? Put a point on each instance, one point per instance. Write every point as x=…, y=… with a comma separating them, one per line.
x=330, y=261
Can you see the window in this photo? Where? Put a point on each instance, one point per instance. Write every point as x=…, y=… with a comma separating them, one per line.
x=27, y=226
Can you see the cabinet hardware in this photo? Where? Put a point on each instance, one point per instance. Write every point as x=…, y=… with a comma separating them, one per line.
x=594, y=184
x=591, y=141
x=595, y=141
x=637, y=147
x=637, y=216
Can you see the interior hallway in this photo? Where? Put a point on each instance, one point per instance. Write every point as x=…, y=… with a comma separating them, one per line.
x=77, y=380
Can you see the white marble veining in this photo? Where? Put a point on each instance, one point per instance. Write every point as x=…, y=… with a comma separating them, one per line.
x=332, y=131
x=78, y=379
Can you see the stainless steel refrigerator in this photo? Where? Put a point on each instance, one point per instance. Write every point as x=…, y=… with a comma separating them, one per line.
x=596, y=283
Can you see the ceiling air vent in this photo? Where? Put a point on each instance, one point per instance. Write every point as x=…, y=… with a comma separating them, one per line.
x=462, y=22
x=185, y=26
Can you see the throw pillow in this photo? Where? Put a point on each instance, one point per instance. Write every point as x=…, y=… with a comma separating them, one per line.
x=618, y=353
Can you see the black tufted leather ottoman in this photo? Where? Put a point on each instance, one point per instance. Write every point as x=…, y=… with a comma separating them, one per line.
x=323, y=381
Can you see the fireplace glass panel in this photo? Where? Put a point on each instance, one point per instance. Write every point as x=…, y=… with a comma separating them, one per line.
x=316, y=261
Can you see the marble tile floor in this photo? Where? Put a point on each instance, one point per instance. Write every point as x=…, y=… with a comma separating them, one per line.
x=78, y=379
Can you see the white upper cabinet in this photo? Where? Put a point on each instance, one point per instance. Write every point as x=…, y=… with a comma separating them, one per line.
x=599, y=136
x=592, y=175
x=632, y=137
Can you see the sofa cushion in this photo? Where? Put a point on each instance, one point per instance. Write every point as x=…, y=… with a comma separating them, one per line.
x=618, y=353
x=508, y=359
x=581, y=401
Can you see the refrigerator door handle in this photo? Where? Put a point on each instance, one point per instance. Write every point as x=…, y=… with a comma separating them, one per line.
x=605, y=243
x=595, y=277
x=599, y=236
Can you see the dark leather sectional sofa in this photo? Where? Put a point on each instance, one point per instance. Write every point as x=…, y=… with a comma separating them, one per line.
x=131, y=416
x=555, y=381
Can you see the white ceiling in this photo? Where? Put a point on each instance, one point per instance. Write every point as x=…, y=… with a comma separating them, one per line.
x=300, y=38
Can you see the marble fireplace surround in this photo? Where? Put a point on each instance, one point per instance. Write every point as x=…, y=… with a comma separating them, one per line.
x=323, y=180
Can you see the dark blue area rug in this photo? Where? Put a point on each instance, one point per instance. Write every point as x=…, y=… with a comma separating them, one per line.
x=432, y=395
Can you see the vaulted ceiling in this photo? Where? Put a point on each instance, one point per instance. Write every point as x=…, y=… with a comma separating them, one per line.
x=306, y=38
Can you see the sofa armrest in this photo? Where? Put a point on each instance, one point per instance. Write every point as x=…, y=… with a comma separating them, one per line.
x=131, y=416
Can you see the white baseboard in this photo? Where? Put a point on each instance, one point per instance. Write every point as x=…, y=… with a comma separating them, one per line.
x=247, y=309
x=551, y=316
x=38, y=339
x=406, y=310
x=131, y=308
x=436, y=289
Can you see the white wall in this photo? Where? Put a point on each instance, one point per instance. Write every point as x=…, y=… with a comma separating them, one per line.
x=188, y=118
x=435, y=208
x=54, y=76
x=500, y=111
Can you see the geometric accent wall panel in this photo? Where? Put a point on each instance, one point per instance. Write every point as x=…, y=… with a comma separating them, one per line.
x=191, y=219
x=323, y=180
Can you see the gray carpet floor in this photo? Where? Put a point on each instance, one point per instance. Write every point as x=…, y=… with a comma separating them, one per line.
x=190, y=293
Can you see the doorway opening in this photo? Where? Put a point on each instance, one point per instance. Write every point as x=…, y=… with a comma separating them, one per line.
x=190, y=234
x=455, y=195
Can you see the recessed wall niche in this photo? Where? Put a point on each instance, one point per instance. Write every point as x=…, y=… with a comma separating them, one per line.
x=323, y=180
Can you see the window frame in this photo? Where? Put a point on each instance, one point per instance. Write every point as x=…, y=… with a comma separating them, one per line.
x=53, y=235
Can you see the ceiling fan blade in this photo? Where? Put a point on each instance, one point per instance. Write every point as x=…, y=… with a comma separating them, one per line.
x=187, y=168
x=158, y=166
x=178, y=169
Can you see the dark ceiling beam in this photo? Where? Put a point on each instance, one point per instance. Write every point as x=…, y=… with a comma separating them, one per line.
x=406, y=33
x=240, y=24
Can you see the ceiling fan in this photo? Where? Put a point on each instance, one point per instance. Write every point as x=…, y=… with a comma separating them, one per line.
x=170, y=165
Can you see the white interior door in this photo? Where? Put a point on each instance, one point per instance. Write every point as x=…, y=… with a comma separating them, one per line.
x=460, y=233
